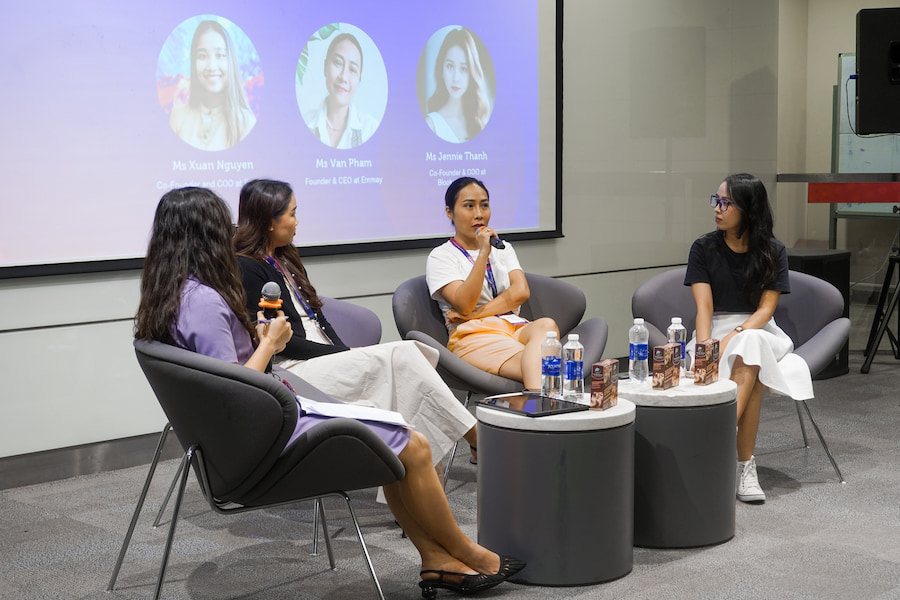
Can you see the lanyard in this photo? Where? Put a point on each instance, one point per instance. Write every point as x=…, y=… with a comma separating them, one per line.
x=488, y=273
x=293, y=285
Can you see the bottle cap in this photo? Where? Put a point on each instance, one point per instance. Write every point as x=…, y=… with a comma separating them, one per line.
x=639, y=321
x=676, y=320
x=573, y=337
x=551, y=334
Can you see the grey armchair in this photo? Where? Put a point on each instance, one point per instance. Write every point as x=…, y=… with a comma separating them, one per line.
x=357, y=326
x=811, y=315
x=418, y=317
x=233, y=424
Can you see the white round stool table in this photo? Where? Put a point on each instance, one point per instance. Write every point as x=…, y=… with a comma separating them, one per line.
x=557, y=492
x=685, y=461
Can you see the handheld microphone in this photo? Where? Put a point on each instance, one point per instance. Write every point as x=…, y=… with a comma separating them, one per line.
x=495, y=241
x=271, y=300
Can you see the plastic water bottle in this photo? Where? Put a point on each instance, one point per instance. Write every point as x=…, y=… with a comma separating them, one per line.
x=677, y=333
x=551, y=373
x=573, y=369
x=638, y=338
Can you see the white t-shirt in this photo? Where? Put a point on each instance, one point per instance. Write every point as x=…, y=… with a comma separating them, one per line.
x=447, y=264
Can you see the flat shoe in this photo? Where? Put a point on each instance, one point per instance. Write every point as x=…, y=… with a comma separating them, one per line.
x=468, y=584
x=473, y=455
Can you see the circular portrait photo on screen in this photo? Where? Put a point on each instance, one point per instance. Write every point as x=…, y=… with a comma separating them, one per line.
x=208, y=80
x=341, y=86
x=456, y=84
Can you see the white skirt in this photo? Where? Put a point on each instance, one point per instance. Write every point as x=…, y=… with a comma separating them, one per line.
x=770, y=348
x=397, y=376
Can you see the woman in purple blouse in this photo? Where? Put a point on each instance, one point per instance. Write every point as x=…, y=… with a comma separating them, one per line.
x=192, y=297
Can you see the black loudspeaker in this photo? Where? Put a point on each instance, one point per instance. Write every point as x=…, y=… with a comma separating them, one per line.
x=878, y=70
x=834, y=267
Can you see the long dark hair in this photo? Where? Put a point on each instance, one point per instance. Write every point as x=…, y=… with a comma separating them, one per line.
x=476, y=107
x=748, y=194
x=234, y=96
x=191, y=236
x=261, y=201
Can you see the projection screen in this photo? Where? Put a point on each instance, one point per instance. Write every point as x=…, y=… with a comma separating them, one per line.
x=110, y=104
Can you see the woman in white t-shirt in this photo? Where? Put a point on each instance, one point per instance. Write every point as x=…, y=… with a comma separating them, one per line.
x=480, y=289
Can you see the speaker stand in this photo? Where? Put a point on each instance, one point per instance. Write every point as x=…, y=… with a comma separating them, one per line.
x=883, y=315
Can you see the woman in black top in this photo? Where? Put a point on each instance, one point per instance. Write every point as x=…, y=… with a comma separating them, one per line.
x=398, y=376
x=737, y=274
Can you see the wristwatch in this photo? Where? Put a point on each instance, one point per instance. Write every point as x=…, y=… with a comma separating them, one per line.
x=739, y=328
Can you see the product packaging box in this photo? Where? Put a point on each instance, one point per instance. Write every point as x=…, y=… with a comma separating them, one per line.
x=604, y=384
x=706, y=362
x=666, y=365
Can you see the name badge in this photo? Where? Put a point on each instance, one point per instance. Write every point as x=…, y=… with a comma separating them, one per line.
x=513, y=319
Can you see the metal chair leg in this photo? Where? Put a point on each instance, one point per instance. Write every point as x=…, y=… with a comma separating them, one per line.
x=822, y=440
x=362, y=544
x=171, y=536
x=165, y=501
x=455, y=447
x=802, y=426
x=138, y=507
x=450, y=463
x=315, y=551
x=320, y=512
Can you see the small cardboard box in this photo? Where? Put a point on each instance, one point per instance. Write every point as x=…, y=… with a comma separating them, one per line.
x=706, y=362
x=604, y=384
x=666, y=365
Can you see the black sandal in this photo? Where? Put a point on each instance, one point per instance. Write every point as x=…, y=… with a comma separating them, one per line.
x=473, y=454
x=469, y=584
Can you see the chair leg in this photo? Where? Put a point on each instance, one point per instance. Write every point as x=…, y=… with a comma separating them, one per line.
x=455, y=447
x=450, y=462
x=138, y=506
x=319, y=513
x=822, y=440
x=165, y=502
x=315, y=551
x=362, y=544
x=802, y=426
x=171, y=536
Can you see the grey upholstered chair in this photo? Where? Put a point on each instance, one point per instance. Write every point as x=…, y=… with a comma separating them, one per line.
x=418, y=317
x=233, y=424
x=358, y=326
x=811, y=315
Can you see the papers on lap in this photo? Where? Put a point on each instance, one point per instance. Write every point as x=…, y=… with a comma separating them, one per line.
x=351, y=411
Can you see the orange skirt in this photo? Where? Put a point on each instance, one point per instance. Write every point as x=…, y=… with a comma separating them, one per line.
x=486, y=343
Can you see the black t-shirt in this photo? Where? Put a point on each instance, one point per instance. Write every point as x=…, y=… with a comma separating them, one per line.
x=712, y=261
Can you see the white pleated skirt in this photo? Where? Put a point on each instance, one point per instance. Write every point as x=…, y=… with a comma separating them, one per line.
x=780, y=370
x=397, y=376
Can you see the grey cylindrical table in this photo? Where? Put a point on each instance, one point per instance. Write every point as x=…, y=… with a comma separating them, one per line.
x=557, y=492
x=684, y=463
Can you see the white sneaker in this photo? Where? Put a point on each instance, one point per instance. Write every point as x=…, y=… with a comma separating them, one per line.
x=748, y=489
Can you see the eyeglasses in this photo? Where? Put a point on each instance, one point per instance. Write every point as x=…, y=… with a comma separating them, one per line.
x=717, y=201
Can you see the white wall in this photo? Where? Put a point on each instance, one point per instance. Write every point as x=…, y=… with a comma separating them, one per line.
x=661, y=100
x=790, y=208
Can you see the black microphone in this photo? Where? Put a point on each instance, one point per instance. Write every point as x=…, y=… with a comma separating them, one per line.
x=495, y=241
x=271, y=300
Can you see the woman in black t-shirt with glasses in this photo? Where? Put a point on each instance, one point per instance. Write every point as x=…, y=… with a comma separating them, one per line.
x=737, y=274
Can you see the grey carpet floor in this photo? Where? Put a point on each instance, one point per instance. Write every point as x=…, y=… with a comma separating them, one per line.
x=814, y=538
